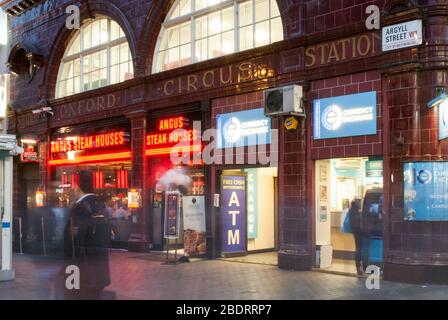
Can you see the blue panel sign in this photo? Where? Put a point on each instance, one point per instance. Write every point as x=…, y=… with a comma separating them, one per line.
x=443, y=121
x=246, y=128
x=425, y=191
x=345, y=116
x=234, y=223
x=252, y=204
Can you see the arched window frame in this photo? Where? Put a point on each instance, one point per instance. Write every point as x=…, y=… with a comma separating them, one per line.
x=194, y=15
x=109, y=67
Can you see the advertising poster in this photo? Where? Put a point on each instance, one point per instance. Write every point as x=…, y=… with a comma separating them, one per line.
x=30, y=153
x=234, y=220
x=443, y=121
x=246, y=128
x=172, y=215
x=345, y=116
x=252, y=204
x=194, y=225
x=425, y=191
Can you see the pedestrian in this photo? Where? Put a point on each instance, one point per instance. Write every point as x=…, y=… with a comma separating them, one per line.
x=355, y=219
x=86, y=241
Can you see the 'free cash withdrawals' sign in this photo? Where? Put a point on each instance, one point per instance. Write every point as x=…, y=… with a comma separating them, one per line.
x=234, y=221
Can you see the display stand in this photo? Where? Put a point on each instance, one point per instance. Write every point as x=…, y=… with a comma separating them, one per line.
x=168, y=261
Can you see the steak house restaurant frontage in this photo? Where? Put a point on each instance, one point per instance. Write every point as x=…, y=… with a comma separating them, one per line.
x=131, y=88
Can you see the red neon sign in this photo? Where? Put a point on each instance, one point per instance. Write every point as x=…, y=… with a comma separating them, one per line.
x=92, y=159
x=98, y=141
x=172, y=123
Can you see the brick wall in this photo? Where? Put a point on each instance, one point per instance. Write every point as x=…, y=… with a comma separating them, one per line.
x=416, y=126
x=325, y=15
x=237, y=103
x=348, y=146
x=43, y=28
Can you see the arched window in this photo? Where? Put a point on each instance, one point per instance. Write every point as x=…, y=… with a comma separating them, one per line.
x=198, y=30
x=97, y=56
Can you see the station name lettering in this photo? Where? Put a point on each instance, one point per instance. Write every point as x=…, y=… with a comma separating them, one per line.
x=343, y=50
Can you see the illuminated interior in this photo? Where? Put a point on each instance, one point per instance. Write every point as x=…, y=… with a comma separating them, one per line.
x=199, y=30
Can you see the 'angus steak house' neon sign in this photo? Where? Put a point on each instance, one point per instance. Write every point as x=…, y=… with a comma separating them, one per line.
x=98, y=141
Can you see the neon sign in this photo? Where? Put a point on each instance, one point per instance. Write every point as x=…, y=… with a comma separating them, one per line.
x=173, y=132
x=171, y=123
x=98, y=141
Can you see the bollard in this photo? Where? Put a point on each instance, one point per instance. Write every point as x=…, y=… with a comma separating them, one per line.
x=20, y=236
x=43, y=236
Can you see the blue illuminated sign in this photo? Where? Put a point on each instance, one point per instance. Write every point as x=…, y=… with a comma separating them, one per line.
x=425, y=191
x=345, y=116
x=443, y=121
x=246, y=128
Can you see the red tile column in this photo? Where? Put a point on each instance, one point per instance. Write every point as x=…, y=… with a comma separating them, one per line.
x=139, y=239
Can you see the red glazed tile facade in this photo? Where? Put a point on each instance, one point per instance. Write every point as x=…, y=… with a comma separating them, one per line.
x=405, y=80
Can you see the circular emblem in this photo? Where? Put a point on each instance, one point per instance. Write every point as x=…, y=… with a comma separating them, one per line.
x=424, y=177
x=232, y=130
x=332, y=117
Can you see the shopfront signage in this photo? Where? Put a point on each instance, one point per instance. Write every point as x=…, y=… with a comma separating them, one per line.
x=172, y=215
x=374, y=168
x=194, y=224
x=87, y=106
x=246, y=128
x=91, y=142
x=252, y=70
x=30, y=152
x=173, y=135
x=347, y=49
x=252, y=203
x=233, y=214
x=425, y=191
x=345, y=116
x=403, y=35
x=443, y=120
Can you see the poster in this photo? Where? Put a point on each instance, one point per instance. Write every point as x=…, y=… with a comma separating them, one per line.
x=443, y=121
x=194, y=225
x=323, y=194
x=252, y=204
x=323, y=214
x=172, y=215
x=425, y=191
x=233, y=214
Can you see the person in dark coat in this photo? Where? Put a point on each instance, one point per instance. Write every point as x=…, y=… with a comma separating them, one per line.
x=86, y=241
x=356, y=226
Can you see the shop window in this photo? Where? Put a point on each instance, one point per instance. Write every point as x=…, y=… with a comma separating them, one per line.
x=199, y=30
x=97, y=56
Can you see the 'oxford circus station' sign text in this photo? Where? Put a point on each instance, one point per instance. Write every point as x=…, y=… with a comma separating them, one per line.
x=342, y=50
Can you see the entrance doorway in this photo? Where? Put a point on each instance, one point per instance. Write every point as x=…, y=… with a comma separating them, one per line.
x=339, y=182
x=262, y=215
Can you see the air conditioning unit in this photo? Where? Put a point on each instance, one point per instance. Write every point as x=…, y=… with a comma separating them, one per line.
x=284, y=101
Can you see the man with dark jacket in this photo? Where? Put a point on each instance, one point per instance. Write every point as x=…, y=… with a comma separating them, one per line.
x=86, y=241
x=356, y=226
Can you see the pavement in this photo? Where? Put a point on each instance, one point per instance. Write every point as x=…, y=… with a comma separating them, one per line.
x=147, y=277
